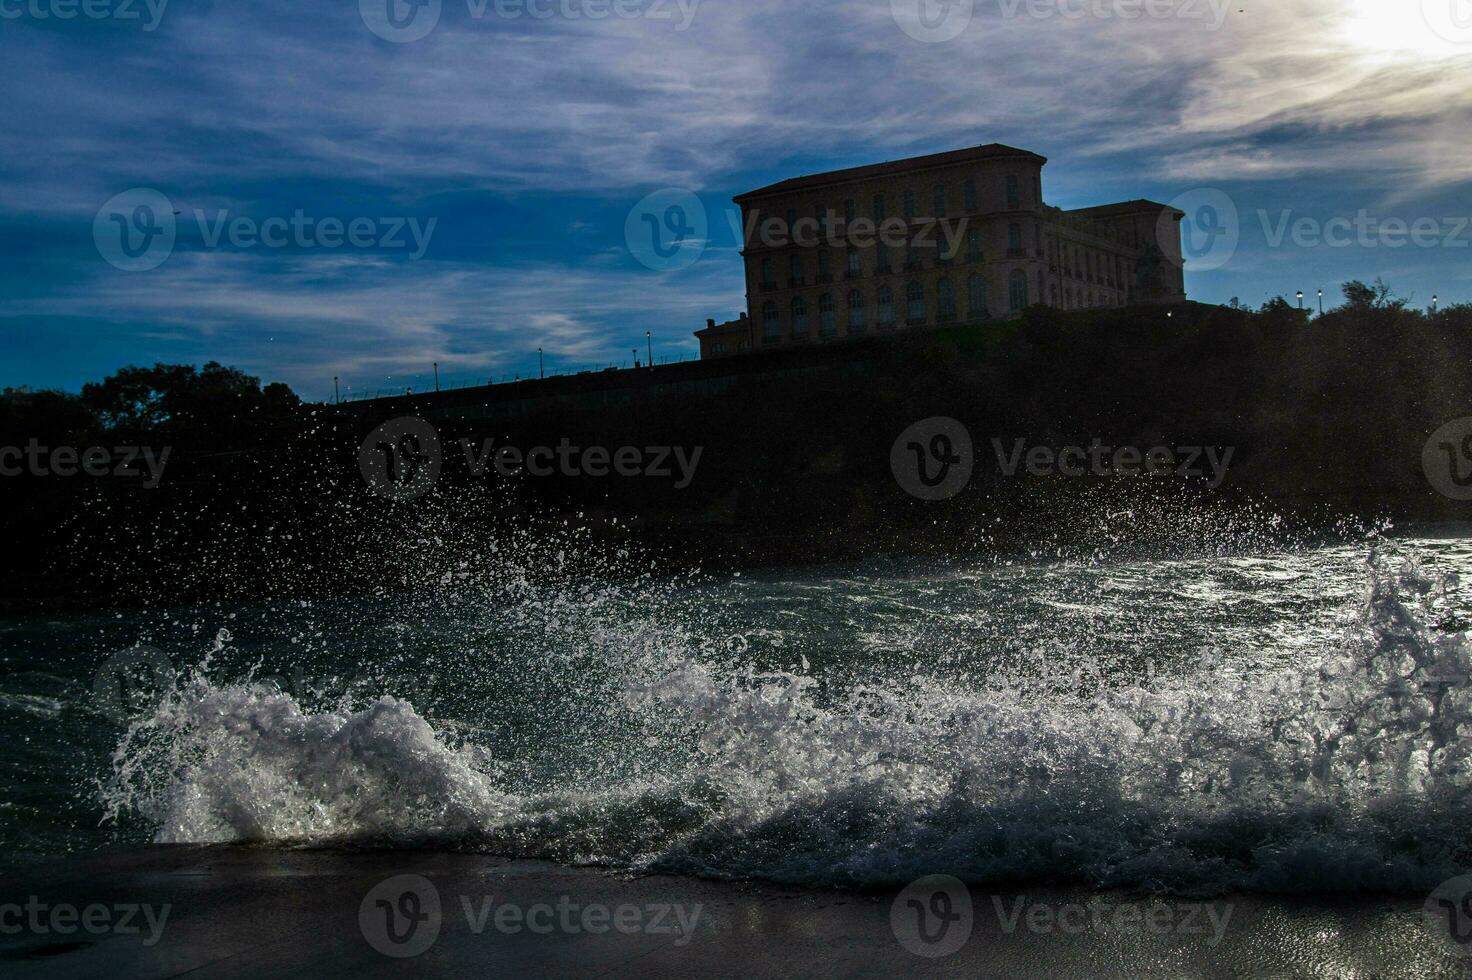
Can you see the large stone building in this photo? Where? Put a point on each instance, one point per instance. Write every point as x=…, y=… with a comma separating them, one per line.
x=956, y=237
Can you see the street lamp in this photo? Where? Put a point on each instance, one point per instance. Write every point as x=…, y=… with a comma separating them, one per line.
x=1434, y=300
x=336, y=393
x=649, y=343
x=541, y=364
x=1321, y=302
x=1300, y=299
x=436, y=377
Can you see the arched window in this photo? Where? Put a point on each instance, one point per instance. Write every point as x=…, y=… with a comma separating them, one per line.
x=858, y=315
x=945, y=301
x=915, y=303
x=976, y=306
x=799, y=317
x=769, y=272
x=1017, y=291
x=884, y=299
x=794, y=266
x=827, y=317
x=771, y=321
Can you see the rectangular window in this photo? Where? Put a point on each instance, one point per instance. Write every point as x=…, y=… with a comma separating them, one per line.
x=849, y=211
x=970, y=192
x=854, y=267
x=940, y=201
x=879, y=214
x=909, y=204
x=973, y=245
x=1014, y=195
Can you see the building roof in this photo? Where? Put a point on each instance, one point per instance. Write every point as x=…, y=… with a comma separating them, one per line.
x=950, y=157
x=1123, y=208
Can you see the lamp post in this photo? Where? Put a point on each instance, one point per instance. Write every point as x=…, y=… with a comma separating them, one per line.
x=541, y=364
x=1300, y=299
x=1434, y=301
x=336, y=393
x=1321, y=302
x=649, y=342
x=436, y=377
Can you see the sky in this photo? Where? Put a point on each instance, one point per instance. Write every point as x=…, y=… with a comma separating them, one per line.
x=360, y=189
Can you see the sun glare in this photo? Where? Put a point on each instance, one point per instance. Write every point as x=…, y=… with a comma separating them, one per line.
x=1399, y=29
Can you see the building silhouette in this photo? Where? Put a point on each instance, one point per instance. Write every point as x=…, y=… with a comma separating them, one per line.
x=956, y=237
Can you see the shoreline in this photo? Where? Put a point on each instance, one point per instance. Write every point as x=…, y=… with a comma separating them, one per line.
x=240, y=911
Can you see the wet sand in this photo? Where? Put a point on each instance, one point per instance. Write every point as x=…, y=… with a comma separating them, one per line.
x=251, y=912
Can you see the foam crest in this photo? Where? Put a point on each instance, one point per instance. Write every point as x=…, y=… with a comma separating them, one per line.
x=1345, y=767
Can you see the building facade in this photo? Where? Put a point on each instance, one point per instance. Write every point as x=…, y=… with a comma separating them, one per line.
x=956, y=237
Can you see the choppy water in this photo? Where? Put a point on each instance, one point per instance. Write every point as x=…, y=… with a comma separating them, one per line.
x=1278, y=719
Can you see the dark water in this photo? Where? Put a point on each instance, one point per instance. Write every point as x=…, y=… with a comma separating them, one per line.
x=1275, y=720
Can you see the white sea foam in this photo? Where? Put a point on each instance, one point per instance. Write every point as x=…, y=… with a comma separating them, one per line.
x=1346, y=767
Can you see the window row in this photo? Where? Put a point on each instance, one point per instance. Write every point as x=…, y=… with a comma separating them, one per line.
x=884, y=260
x=796, y=319
x=942, y=197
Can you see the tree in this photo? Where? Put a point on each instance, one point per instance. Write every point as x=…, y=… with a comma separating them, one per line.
x=1359, y=296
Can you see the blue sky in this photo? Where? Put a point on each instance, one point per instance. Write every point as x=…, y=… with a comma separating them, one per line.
x=519, y=145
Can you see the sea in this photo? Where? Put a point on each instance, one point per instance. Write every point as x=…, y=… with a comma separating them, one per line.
x=1264, y=716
